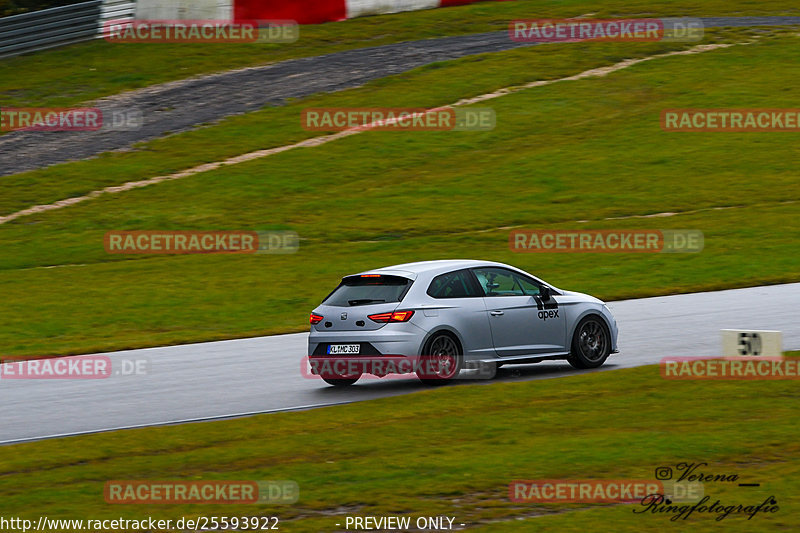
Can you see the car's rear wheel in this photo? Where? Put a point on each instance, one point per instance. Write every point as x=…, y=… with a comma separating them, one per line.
x=342, y=382
x=442, y=360
x=591, y=343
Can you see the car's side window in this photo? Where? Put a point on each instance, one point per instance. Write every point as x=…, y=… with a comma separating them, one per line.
x=456, y=284
x=530, y=288
x=498, y=282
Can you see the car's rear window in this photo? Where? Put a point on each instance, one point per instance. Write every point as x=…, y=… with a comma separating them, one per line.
x=368, y=289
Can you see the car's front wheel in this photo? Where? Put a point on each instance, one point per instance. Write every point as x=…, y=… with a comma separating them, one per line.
x=591, y=343
x=442, y=360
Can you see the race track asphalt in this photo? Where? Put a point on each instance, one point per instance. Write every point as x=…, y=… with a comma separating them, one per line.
x=246, y=376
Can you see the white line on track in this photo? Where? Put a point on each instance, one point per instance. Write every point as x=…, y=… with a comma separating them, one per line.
x=243, y=377
x=175, y=422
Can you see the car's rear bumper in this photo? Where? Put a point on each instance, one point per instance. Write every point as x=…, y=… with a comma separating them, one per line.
x=394, y=340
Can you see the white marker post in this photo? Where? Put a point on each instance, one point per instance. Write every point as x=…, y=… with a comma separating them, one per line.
x=742, y=343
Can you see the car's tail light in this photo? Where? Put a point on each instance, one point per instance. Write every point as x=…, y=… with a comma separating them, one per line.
x=397, y=316
x=315, y=319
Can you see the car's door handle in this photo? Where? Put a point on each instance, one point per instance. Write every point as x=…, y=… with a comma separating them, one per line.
x=495, y=313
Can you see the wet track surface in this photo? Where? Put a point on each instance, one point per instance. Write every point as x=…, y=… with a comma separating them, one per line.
x=238, y=377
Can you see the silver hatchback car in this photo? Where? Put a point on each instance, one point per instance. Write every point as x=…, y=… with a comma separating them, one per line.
x=437, y=318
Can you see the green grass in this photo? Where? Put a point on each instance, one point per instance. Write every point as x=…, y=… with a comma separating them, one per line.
x=86, y=71
x=450, y=451
x=434, y=85
x=563, y=156
x=151, y=302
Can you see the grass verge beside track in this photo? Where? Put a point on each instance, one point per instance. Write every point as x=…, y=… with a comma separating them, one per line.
x=460, y=447
x=576, y=151
x=172, y=300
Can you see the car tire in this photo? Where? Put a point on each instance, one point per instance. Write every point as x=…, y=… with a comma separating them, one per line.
x=341, y=382
x=442, y=360
x=591, y=343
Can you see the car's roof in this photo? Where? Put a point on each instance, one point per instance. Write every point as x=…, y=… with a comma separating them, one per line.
x=431, y=266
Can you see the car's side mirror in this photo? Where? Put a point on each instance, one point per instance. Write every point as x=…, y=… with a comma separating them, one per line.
x=544, y=293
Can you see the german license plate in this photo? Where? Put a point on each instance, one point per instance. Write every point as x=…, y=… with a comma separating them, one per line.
x=344, y=349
